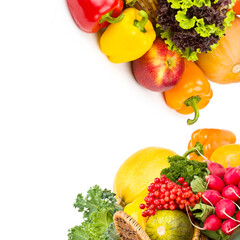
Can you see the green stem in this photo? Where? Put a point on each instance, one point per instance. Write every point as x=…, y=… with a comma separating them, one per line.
x=141, y=24
x=197, y=148
x=108, y=18
x=192, y=102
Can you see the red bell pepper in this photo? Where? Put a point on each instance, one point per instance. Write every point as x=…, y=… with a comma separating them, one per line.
x=91, y=15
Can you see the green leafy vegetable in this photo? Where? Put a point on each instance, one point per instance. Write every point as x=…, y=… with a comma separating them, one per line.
x=201, y=211
x=198, y=184
x=183, y=18
x=166, y=36
x=216, y=235
x=111, y=233
x=98, y=208
x=185, y=4
x=184, y=21
x=183, y=167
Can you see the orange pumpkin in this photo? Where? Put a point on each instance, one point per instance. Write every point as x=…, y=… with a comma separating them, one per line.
x=223, y=64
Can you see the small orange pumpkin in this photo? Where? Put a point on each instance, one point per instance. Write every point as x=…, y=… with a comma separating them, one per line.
x=223, y=64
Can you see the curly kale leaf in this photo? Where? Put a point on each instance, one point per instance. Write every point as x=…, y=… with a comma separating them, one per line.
x=98, y=208
x=111, y=233
x=82, y=232
x=95, y=200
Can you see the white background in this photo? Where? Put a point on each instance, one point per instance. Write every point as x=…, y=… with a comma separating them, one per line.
x=69, y=118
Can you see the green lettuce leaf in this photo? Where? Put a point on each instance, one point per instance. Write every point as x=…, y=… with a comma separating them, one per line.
x=229, y=19
x=185, y=4
x=166, y=36
x=198, y=184
x=200, y=3
x=203, y=29
x=206, y=30
x=201, y=211
x=184, y=21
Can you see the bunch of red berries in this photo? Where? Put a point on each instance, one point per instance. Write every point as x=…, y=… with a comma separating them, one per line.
x=164, y=194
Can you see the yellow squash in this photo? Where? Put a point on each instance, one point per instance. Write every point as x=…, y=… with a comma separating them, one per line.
x=227, y=155
x=138, y=171
x=134, y=211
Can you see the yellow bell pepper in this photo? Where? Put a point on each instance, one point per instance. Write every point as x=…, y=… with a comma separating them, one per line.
x=128, y=39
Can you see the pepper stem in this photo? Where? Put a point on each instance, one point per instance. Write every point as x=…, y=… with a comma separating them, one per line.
x=108, y=18
x=198, y=148
x=192, y=102
x=141, y=24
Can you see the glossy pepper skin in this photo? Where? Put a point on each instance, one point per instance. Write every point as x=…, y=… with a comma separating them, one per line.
x=91, y=15
x=208, y=140
x=128, y=39
x=191, y=93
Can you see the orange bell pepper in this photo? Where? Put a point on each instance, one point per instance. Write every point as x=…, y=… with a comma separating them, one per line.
x=207, y=141
x=191, y=93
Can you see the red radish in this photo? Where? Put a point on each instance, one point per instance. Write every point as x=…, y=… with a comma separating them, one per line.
x=225, y=209
x=231, y=192
x=212, y=223
x=215, y=183
x=211, y=197
x=216, y=169
x=239, y=185
x=232, y=176
x=229, y=226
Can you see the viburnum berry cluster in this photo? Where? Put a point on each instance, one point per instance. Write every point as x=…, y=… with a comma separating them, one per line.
x=164, y=194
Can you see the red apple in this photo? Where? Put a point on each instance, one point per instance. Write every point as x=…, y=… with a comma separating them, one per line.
x=159, y=69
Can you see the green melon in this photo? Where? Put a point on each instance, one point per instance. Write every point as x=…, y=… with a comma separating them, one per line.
x=169, y=225
x=236, y=235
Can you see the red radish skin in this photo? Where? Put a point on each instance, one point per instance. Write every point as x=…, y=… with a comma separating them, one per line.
x=212, y=223
x=231, y=192
x=229, y=226
x=212, y=196
x=225, y=208
x=215, y=183
x=239, y=185
x=232, y=176
x=216, y=169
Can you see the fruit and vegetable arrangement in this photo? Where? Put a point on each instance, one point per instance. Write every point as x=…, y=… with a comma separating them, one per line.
x=174, y=46
x=159, y=195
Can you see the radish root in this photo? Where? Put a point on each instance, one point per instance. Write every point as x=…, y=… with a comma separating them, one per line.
x=232, y=201
x=231, y=217
x=208, y=201
x=235, y=193
x=192, y=222
x=206, y=159
x=228, y=231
